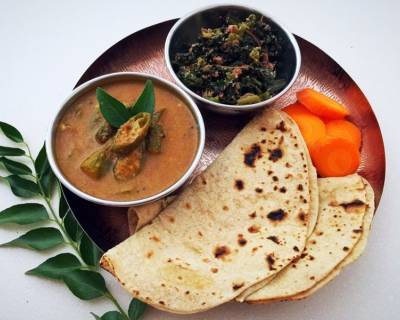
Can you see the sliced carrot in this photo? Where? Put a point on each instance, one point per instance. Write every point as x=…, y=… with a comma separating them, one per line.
x=295, y=108
x=335, y=157
x=311, y=127
x=344, y=129
x=321, y=105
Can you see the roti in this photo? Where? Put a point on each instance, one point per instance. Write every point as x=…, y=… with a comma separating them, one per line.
x=140, y=216
x=355, y=253
x=313, y=210
x=239, y=222
x=344, y=206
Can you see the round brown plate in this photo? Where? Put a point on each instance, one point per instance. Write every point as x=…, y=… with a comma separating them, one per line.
x=143, y=51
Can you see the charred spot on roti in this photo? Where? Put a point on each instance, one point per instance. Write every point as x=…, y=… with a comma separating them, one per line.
x=188, y=205
x=237, y=286
x=302, y=216
x=225, y=208
x=281, y=126
x=288, y=165
x=300, y=187
x=200, y=233
x=263, y=141
x=275, y=178
x=311, y=257
x=149, y=254
x=295, y=248
x=313, y=241
x=239, y=184
x=241, y=240
x=263, y=129
x=252, y=154
x=312, y=278
x=253, y=229
x=282, y=189
x=275, y=154
x=203, y=180
x=276, y=215
x=187, y=292
x=357, y=230
x=346, y=249
x=171, y=219
x=303, y=255
x=258, y=190
x=270, y=260
x=275, y=188
x=155, y=238
x=161, y=302
x=319, y=233
x=353, y=205
x=273, y=239
x=269, y=172
x=296, y=145
x=214, y=270
x=253, y=215
x=288, y=176
x=221, y=252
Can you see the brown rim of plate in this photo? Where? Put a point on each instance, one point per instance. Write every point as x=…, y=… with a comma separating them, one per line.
x=143, y=51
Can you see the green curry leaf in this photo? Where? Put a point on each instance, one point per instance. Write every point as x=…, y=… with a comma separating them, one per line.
x=45, y=175
x=112, y=110
x=63, y=207
x=11, y=152
x=136, y=309
x=22, y=187
x=25, y=213
x=72, y=227
x=56, y=267
x=146, y=100
x=89, y=251
x=38, y=239
x=11, y=132
x=84, y=284
x=15, y=167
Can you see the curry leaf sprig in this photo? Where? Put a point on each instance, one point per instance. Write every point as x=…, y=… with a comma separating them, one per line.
x=116, y=113
x=33, y=178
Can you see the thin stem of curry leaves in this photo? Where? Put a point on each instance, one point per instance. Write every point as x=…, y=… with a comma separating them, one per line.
x=54, y=217
x=117, y=305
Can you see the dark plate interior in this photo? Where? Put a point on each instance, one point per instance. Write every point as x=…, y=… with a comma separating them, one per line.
x=144, y=51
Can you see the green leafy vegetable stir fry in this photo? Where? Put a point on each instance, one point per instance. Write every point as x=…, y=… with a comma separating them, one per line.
x=233, y=64
x=126, y=133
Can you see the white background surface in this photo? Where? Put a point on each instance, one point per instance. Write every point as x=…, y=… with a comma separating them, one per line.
x=46, y=45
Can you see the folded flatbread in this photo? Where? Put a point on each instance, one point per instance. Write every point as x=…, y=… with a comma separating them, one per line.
x=346, y=210
x=241, y=221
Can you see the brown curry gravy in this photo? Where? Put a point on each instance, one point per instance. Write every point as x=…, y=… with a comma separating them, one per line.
x=75, y=141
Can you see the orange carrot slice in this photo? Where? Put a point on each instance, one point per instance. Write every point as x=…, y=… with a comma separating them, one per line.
x=322, y=105
x=295, y=108
x=344, y=129
x=311, y=127
x=335, y=157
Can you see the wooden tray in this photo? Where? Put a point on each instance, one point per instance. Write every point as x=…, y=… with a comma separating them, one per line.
x=144, y=51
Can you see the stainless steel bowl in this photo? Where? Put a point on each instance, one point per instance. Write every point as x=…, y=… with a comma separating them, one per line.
x=186, y=30
x=99, y=81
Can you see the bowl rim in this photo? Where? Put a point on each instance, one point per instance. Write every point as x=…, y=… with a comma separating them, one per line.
x=229, y=107
x=50, y=138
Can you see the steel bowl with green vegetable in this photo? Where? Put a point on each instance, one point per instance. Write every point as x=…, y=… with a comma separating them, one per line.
x=232, y=58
